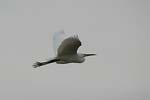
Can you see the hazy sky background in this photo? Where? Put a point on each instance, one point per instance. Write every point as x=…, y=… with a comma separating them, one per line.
x=117, y=30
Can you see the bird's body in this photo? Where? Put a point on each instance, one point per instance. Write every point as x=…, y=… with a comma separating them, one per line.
x=66, y=51
x=74, y=58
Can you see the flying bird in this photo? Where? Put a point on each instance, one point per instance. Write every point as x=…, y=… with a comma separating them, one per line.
x=66, y=50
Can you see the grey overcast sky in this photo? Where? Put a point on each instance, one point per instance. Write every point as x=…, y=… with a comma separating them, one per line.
x=117, y=30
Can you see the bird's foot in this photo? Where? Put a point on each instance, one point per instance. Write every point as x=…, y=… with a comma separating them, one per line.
x=37, y=64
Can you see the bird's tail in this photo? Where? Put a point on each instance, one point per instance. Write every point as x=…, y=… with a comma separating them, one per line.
x=38, y=64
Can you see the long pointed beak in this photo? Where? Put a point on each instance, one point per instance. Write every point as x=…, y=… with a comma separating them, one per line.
x=85, y=55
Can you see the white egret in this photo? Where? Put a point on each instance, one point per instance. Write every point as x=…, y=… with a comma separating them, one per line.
x=66, y=50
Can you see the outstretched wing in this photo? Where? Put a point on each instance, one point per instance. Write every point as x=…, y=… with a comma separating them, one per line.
x=69, y=46
x=58, y=37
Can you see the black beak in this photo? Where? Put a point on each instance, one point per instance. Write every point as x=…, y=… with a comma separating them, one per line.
x=85, y=55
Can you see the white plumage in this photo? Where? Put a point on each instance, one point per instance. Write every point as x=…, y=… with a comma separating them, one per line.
x=65, y=49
